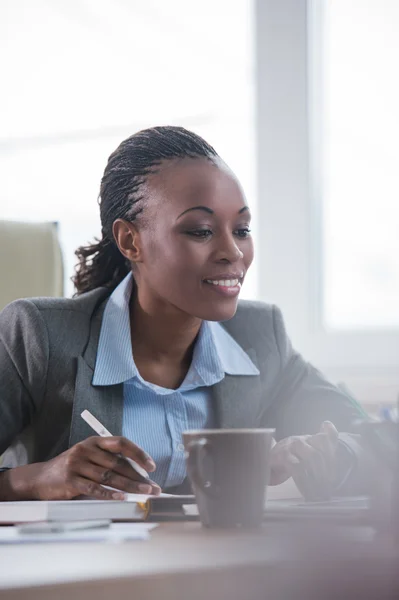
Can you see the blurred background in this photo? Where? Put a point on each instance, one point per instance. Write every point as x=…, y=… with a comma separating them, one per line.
x=300, y=98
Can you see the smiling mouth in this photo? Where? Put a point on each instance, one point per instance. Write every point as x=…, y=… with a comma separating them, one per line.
x=229, y=286
x=224, y=282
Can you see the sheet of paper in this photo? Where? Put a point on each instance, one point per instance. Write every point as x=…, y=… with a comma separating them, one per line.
x=144, y=497
x=141, y=497
x=285, y=490
x=115, y=533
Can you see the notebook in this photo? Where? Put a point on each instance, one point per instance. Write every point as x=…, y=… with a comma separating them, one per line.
x=136, y=507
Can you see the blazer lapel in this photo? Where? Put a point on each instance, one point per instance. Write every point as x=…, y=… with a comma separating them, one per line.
x=104, y=402
x=238, y=399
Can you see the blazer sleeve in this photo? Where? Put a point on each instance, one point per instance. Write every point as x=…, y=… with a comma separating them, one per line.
x=24, y=354
x=303, y=398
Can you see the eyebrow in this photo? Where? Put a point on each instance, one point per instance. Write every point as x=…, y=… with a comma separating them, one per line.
x=209, y=210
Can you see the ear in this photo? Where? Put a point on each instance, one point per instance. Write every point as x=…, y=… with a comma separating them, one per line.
x=127, y=239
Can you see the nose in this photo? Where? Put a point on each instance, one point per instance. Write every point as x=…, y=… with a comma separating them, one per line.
x=228, y=251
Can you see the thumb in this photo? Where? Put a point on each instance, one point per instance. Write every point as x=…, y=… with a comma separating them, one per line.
x=329, y=428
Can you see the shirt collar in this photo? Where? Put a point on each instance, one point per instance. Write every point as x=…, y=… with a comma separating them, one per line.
x=216, y=352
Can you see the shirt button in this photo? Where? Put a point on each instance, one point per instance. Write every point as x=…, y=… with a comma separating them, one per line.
x=180, y=447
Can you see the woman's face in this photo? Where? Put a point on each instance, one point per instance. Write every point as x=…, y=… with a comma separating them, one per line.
x=193, y=242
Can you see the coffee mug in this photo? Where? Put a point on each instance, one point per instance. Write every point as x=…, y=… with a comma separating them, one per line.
x=229, y=472
x=381, y=438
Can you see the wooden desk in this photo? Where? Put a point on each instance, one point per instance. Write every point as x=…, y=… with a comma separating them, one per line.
x=284, y=561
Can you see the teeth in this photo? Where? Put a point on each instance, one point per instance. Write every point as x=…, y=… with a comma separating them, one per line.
x=224, y=282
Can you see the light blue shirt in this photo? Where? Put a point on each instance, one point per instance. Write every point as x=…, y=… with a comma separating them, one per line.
x=155, y=417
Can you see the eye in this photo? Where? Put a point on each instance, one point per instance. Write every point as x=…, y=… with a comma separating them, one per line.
x=242, y=233
x=200, y=233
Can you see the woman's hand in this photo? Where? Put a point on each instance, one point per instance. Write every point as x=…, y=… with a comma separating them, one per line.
x=309, y=460
x=81, y=470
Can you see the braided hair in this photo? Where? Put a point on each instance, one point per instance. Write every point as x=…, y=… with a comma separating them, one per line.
x=122, y=197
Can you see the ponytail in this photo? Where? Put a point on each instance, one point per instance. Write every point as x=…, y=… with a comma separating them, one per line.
x=100, y=264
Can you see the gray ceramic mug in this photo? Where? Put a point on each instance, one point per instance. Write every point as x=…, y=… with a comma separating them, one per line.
x=381, y=438
x=229, y=472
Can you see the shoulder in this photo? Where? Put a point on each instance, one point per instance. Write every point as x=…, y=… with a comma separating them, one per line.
x=254, y=309
x=258, y=324
x=85, y=304
x=40, y=317
x=255, y=315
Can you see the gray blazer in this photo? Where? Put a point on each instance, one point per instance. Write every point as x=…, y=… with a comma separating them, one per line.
x=48, y=351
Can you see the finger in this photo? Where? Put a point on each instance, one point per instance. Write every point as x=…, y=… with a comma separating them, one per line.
x=86, y=487
x=114, y=462
x=327, y=443
x=306, y=453
x=331, y=431
x=105, y=468
x=108, y=477
x=312, y=468
x=304, y=483
x=282, y=466
x=324, y=445
x=311, y=487
x=121, y=445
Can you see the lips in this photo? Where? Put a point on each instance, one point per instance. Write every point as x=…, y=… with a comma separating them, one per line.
x=224, y=282
x=226, y=279
x=227, y=284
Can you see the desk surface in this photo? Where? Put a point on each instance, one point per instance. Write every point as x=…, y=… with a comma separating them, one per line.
x=184, y=560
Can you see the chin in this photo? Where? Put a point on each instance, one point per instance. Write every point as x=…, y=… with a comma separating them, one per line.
x=221, y=311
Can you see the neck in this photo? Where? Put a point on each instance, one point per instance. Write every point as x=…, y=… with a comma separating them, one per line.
x=162, y=333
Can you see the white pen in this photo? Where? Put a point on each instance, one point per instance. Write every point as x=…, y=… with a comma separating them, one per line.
x=62, y=526
x=103, y=432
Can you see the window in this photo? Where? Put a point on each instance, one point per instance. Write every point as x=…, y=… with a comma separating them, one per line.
x=332, y=269
x=79, y=77
x=361, y=164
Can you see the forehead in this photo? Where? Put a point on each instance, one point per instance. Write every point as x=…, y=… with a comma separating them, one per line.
x=180, y=184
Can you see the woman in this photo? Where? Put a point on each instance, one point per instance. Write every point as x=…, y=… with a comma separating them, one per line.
x=155, y=342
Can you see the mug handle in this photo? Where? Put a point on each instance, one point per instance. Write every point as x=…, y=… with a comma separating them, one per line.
x=197, y=449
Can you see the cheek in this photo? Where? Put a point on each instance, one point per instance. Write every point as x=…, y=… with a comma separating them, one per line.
x=175, y=261
x=248, y=250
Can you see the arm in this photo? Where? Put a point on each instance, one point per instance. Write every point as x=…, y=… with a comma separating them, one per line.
x=83, y=468
x=23, y=373
x=303, y=399
x=24, y=353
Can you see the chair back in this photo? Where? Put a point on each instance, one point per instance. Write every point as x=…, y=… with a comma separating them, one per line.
x=31, y=261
